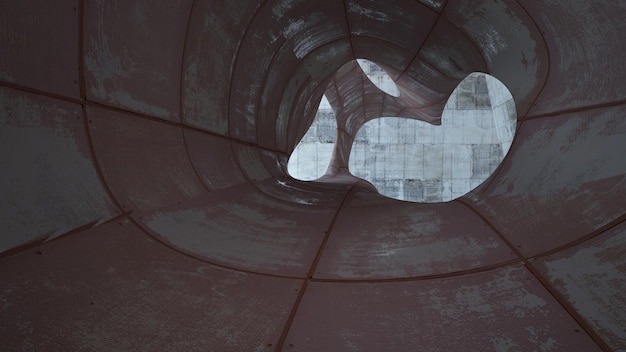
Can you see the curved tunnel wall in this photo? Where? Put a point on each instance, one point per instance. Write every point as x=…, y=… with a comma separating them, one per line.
x=146, y=205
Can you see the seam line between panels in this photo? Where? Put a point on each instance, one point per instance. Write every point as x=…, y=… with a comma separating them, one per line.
x=237, y=55
x=521, y=121
x=294, y=108
x=182, y=99
x=48, y=237
x=133, y=113
x=137, y=221
x=299, y=92
x=96, y=162
x=345, y=12
x=83, y=105
x=545, y=44
x=419, y=49
x=590, y=236
x=562, y=301
x=81, y=50
x=575, y=110
x=191, y=163
x=148, y=232
x=469, y=38
x=318, y=256
x=263, y=89
x=452, y=274
x=181, y=87
x=293, y=112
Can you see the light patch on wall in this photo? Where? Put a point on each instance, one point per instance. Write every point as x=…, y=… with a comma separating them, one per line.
x=311, y=156
x=414, y=161
x=379, y=77
x=411, y=160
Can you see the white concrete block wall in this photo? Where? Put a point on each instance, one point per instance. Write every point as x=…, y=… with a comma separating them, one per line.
x=412, y=160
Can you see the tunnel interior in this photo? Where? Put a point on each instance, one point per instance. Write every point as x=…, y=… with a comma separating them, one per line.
x=146, y=204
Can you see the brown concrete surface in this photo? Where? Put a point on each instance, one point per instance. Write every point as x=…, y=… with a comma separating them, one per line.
x=145, y=203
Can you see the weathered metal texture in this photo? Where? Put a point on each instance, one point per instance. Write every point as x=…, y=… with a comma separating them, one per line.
x=246, y=229
x=40, y=44
x=281, y=28
x=115, y=288
x=384, y=239
x=208, y=153
x=289, y=131
x=563, y=179
x=511, y=43
x=49, y=183
x=587, y=46
x=133, y=52
x=448, y=314
x=257, y=164
x=216, y=29
x=288, y=84
x=186, y=115
x=404, y=23
x=451, y=51
x=143, y=161
x=591, y=276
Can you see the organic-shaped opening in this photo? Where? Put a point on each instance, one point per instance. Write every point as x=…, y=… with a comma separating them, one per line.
x=311, y=156
x=378, y=77
x=415, y=161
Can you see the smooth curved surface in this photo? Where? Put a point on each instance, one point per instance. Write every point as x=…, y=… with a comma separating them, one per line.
x=146, y=203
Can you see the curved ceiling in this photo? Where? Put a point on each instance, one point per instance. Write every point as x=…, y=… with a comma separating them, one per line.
x=146, y=204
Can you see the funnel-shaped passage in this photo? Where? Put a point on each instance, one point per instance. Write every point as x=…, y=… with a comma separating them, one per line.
x=145, y=202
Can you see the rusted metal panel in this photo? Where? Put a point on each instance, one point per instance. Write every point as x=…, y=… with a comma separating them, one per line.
x=512, y=45
x=289, y=131
x=591, y=277
x=49, y=184
x=405, y=23
x=256, y=70
x=424, y=85
x=464, y=313
x=386, y=238
x=393, y=58
x=295, y=30
x=133, y=54
x=243, y=228
x=563, y=178
x=262, y=40
x=39, y=44
x=587, y=46
x=211, y=153
x=307, y=25
x=215, y=31
x=451, y=51
x=251, y=163
x=143, y=161
x=115, y=288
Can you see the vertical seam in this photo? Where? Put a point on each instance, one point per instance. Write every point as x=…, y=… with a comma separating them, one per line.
x=309, y=277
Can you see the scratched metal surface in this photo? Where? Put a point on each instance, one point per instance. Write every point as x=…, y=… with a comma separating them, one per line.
x=149, y=143
x=591, y=276
x=451, y=314
x=115, y=288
